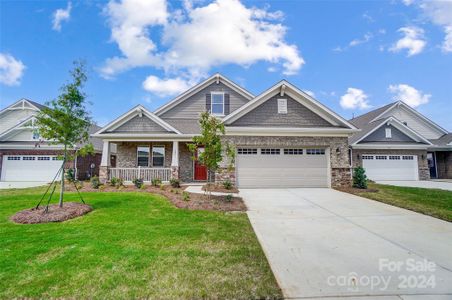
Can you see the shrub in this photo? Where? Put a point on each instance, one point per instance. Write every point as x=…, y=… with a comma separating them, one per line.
x=95, y=183
x=228, y=197
x=119, y=183
x=175, y=183
x=359, y=178
x=79, y=184
x=162, y=187
x=185, y=196
x=70, y=175
x=156, y=181
x=114, y=181
x=138, y=182
x=227, y=184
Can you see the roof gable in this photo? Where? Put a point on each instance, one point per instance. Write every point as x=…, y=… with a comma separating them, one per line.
x=282, y=88
x=217, y=78
x=138, y=119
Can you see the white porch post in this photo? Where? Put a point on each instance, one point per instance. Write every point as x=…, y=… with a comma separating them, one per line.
x=175, y=161
x=105, y=162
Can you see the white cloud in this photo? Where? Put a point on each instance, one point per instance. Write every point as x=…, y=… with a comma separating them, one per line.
x=440, y=13
x=11, y=69
x=61, y=15
x=409, y=95
x=166, y=87
x=354, y=98
x=367, y=37
x=196, y=38
x=407, y=2
x=413, y=40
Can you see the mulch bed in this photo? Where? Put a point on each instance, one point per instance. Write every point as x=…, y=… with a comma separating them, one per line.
x=174, y=195
x=69, y=211
x=219, y=188
x=352, y=190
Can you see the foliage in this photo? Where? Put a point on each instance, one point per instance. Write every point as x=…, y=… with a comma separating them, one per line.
x=70, y=175
x=185, y=196
x=228, y=197
x=119, y=183
x=66, y=120
x=114, y=181
x=95, y=183
x=227, y=184
x=79, y=184
x=138, y=182
x=175, y=183
x=359, y=178
x=162, y=186
x=156, y=182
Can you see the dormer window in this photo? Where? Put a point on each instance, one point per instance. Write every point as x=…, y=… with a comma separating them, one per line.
x=217, y=105
x=388, y=132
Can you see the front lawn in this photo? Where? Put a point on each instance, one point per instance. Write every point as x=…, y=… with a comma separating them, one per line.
x=433, y=202
x=132, y=245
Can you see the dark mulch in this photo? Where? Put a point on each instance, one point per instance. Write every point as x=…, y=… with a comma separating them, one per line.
x=353, y=190
x=174, y=195
x=69, y=211
x=219, y=188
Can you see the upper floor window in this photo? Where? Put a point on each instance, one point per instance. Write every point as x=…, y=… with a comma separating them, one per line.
x=388, y=133
x=143, y=156
x=217, y=106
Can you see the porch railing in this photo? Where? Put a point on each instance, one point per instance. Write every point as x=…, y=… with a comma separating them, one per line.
x=147, y=174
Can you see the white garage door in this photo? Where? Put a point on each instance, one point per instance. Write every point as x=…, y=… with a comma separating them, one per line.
x=282, y=167
x=391, y=167
x=30, y=168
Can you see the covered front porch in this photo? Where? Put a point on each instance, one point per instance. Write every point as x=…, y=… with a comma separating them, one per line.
x=147, y=160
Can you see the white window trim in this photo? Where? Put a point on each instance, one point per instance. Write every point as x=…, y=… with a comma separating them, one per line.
x=211, y=103
x=388, y=132
x=152, y=155
x=144, y=146
x=285, y=104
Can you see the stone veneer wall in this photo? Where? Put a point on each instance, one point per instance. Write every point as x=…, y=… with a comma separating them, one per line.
x=444, y=164
x=185, y=163
x=424, y=172
x=339, y=157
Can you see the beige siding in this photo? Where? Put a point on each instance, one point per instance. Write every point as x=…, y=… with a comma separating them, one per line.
x=13, y=117
x=193, y=106
x=140, y=124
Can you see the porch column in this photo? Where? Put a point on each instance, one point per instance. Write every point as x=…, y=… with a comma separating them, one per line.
x=105, y=162
x=175, y=161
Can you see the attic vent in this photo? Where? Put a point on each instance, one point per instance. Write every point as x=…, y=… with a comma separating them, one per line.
x=282, y=106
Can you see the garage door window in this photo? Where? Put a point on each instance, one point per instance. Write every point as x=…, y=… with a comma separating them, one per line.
x=380, y=157
x=293, y=151
x=246, y=151
x=407, y=157
x=368, y=157
x=28, y=158
x=270, y=151
x=13, y=157
x=43, y=158
x=394, y=157
x=315, y=151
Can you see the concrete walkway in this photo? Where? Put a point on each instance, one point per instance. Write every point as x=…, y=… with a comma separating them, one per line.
x=324, y=243
x=428, y=184
x=20, y=184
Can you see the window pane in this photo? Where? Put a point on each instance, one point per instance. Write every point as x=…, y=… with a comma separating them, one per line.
x=217, y=109
x=158, y=156
x=217, y=104
x=217, y=98
x=143, y=156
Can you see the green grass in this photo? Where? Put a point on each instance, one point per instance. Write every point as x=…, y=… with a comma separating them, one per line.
x=433, y=202
x=133, y=245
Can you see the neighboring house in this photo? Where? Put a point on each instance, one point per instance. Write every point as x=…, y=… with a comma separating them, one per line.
x=283, y=138
x=396, y=142
x=24, y=156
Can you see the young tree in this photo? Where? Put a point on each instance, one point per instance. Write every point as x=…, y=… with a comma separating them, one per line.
x=359, y=178
x=66, y=121
x=210, y=139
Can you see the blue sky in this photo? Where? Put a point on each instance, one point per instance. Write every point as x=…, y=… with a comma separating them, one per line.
x=352, y=55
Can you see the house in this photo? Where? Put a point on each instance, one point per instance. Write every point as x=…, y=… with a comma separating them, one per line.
x=283, y=138
x=396, y=142
x=24, y=156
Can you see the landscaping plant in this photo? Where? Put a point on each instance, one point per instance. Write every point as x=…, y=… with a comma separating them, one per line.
x=228, y=197
x=227, y=184
x=359, y=178
x=70, y=175
x=185, y=196
x=66, y=120
x=175, y=183
x=95, y=183
x=156, y=182
x=138, y=182
x=113, y=181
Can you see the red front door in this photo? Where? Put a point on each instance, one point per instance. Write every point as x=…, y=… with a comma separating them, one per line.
x=200, y=170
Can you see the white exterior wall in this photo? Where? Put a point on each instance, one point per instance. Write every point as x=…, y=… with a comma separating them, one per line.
x=13, y=117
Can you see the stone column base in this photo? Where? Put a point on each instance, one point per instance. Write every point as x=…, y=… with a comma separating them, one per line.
x=174, y=172
x=341, y=177
x=224, y=174
x=103, y=174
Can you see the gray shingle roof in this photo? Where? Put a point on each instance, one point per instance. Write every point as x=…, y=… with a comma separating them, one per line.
x=443, y=141
x=364, y=119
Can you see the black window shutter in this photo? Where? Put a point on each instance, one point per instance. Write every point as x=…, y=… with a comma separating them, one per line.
x=226, y=104
x=208, y=102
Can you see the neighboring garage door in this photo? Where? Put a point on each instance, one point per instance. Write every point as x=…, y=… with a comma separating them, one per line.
x=391, y=167
x=268, y=167
x=30, y=168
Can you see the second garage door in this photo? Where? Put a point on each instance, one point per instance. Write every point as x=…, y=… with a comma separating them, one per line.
x=391, y=167
x=267, y=167
x=30, y=168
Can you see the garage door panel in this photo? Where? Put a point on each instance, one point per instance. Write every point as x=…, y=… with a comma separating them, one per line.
x=282, y=170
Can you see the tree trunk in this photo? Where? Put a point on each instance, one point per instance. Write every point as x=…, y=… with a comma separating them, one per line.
x=62, y=178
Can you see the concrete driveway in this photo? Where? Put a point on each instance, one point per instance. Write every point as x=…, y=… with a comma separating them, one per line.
x=325, y=243
x=20, y=184
x=428, y=184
